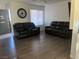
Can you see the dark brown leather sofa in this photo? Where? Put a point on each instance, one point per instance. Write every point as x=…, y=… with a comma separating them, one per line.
x=60, y=29
x=23, y=30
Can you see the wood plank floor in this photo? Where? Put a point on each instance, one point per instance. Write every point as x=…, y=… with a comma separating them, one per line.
x=43, y=47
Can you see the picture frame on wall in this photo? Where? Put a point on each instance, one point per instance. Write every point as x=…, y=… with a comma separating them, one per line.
x=21, y=12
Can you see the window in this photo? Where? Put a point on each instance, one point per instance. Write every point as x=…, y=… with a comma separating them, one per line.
x=37, y=17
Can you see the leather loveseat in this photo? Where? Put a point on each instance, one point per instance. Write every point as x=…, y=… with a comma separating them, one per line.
x=27, y=29
x=60, y=29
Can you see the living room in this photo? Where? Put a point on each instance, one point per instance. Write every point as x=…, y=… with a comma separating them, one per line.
x=51, y=35
x=59, y=12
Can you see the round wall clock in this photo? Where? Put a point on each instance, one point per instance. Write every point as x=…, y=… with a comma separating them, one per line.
x=22, y=13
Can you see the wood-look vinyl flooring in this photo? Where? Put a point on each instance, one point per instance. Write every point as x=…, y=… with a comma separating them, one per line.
x=43, y=46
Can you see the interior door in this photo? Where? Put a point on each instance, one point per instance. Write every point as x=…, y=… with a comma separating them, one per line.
x=4, y=22
x=7, y=45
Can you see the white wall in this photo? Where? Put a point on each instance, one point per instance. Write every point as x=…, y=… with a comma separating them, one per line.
x=15, y=5
x=56, y=12
x=3, y=4
x=75, y=26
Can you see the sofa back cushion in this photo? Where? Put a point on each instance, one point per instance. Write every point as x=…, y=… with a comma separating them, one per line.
x=23, y=26
x=60, y=25
x=29, y=25
x=53, y=23
x=18, y=27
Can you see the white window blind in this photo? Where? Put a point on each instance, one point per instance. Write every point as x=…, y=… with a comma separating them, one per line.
x=37, y=17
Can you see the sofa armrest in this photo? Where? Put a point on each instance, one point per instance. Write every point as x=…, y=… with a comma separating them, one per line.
x=70, y=32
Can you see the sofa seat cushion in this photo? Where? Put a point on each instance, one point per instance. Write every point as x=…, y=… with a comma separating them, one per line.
x=23, y=32
x=48, y=28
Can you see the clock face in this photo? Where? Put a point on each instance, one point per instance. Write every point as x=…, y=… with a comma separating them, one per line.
x=22, y=13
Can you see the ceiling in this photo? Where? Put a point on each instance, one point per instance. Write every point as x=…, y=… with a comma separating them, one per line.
x=41, y=2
